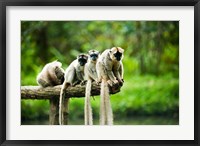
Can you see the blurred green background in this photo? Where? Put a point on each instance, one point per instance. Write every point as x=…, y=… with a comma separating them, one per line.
x=150, y=95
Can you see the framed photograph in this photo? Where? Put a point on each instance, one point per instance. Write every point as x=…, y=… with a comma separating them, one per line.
x=99, y=72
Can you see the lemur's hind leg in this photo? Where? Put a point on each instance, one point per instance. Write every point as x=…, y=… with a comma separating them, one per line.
x=43, y=83
x=60, y=74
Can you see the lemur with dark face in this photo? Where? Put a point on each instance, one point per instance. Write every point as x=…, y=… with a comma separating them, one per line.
x=110, y=72
x=74, y=74
x=90, y=76
x=51, y=75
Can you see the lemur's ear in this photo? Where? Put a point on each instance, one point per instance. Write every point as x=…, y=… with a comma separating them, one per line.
x=90, y=51
x=113, y=50
x=120, y=49
x=86, y=55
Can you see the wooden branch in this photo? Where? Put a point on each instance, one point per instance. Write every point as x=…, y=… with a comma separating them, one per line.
x=37, y=92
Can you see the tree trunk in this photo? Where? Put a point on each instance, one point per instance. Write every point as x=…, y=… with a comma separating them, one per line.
x=54, y=111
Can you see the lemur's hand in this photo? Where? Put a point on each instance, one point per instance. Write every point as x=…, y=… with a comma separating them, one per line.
x=115, y=82
x=121, y=81
x=83, y=82
x=98, y=82
x=110, y=83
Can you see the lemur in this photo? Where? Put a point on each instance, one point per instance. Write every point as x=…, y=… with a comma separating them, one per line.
x=110, y=72
x=74, y=74
x=90, y=75
x=52, y=74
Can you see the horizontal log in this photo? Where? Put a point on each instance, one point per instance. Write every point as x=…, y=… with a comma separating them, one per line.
x=37, y=92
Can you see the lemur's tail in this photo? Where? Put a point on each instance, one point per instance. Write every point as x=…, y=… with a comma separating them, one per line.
x=106, y=115
x=63, y=103
x=88, y=109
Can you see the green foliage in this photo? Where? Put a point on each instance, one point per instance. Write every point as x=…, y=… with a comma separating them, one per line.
x=148, y=95
x=32, y=110
x=151, y=63
x=152, y=46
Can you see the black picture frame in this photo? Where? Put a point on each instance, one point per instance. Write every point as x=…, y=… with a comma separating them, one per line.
x=5, y=3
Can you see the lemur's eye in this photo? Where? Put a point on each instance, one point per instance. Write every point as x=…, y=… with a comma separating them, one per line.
x=82, y=60
x=93, y=55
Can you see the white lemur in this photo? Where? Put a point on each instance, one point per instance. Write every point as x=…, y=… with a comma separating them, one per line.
x=74, y=74
x=110, y=72
x=52, y=74
x=90, y=75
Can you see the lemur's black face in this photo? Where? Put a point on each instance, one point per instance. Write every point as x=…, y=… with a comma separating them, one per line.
x=82, y=59
x=116, y=53
x=118, y=56
x=93, y=55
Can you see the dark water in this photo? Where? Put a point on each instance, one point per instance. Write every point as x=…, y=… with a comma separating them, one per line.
x=123, y=121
